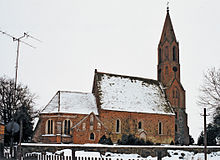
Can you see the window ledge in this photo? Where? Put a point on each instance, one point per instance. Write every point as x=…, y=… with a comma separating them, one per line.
x=48, y=135
x=66, y=135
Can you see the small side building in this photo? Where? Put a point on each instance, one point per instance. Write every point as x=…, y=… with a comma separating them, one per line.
x=70, y=117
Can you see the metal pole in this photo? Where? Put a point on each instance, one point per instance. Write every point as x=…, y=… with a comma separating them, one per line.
x=20, y=139
x=205, y=135
x=15, y=87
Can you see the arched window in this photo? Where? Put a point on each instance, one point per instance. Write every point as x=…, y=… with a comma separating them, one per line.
x=67, y=126
x=167, y=53
x=49, y=126
x=174, y=53
x=159, y=55
x=160, y=128
x=139, y=125
x=118, y=125
x=92, y=136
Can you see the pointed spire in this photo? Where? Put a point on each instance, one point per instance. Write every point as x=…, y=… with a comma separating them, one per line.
x=168, y=32
x=167, y=6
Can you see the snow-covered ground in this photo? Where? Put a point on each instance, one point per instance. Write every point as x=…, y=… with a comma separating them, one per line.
x=173, y=155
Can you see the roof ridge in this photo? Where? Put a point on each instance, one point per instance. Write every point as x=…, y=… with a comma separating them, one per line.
x=75, y=92
x=127, y=76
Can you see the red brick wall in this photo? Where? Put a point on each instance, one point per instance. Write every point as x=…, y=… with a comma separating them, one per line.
x=129, y=125
x=77, y=135
x=40, y=134
x=82, y=136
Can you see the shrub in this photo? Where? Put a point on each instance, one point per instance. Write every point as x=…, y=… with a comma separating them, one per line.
x=104, y=140
x=132, y=140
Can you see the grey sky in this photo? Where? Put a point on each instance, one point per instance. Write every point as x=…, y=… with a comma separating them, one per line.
x=116, y=36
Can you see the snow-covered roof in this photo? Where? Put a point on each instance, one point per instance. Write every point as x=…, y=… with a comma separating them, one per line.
x=72, y=102
x=131, y=94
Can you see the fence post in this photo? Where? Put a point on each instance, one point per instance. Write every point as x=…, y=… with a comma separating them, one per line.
x=159, y=155
x=74, y=155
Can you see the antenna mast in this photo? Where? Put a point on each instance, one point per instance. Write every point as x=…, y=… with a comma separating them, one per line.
x=19, y=40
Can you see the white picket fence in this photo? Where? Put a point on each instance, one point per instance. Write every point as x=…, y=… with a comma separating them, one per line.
x=47, y=157
x=61, y=157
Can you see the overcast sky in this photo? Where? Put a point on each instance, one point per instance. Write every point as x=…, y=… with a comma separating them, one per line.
x=116, y=36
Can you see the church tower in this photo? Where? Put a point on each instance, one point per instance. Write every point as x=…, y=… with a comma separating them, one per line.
x=168, y=73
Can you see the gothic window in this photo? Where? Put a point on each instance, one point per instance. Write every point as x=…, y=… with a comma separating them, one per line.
x=167, y=53
x=174, y=54
x=49, y=126
x=92, y=136
x=67, y=127
x=139, y=125
x=160, y=53
x=118, y=126
x=176, y=129
x=160, y=128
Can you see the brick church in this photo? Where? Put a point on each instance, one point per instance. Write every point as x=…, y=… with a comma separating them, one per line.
x=119, y=105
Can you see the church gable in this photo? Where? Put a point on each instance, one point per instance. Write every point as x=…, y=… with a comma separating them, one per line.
x=176, y=94
x=130, y=94
x=89, y=130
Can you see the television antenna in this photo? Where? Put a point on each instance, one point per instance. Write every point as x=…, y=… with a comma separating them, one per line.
x=19, y=40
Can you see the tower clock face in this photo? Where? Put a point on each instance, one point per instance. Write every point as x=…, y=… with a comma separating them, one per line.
x=175, y=69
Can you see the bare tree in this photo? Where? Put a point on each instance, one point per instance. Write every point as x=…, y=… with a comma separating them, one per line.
x=210, y=91
x=11, y=103
x=210, y=98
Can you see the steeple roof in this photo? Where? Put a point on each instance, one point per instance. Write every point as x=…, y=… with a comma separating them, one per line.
x=168, y=32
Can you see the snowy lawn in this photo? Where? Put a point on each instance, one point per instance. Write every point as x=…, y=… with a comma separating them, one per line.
x=173, y=155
